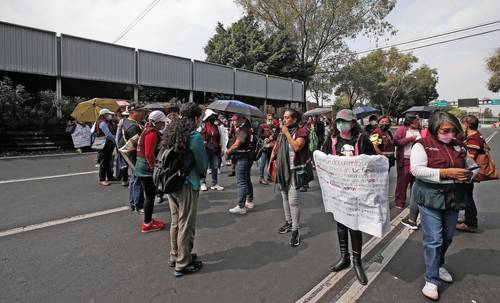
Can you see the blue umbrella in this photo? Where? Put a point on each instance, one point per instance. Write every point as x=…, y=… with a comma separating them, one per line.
x=236, y=107
x=362, y=112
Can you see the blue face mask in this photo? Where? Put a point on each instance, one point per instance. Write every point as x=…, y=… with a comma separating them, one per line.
x=344, y=126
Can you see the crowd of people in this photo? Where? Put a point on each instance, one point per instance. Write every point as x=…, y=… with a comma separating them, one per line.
x=435, y=163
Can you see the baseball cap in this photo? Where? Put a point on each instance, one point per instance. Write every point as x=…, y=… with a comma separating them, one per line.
x=346, y=115
x=105, y=111
x=157, y=116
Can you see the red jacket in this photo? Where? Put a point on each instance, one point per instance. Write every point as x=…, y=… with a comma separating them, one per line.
x=441, y=155
x=147, y=146
x=400, y=140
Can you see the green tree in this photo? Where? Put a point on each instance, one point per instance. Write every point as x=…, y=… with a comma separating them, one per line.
x=319, y=28
x=457, y=112
x=321, y=88
x=388, y=80
x=246, y=45
x=493, y=64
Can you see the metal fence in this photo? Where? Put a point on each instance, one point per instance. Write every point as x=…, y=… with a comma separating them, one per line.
x=35, y=51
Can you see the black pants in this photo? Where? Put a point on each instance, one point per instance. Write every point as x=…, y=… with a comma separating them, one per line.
x=356, y=237
x=105, y=158
x=150, y=193
x=470, y=208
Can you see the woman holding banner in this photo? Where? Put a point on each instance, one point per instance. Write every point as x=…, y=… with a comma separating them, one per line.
x=348, y=139
x=442, y=169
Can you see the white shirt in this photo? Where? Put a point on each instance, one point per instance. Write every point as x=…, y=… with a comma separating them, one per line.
x=410, y=133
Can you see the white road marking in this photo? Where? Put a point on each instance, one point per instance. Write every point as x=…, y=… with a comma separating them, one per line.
x=48, y=155
x=315, y=294
x=375, y=268
x=491, y=137
x=48, y=177
x=18, y=230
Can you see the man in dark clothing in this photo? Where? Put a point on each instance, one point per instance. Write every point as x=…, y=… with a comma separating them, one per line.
x=372, y=124
x=475, y=146
x=132, y=127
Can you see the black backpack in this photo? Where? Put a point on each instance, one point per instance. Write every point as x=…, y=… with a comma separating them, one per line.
x=171, y=169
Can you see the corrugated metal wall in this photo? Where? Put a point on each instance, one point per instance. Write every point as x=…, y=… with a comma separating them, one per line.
x=34, y=51
x=28, y=50
x=250, y=84
x=164, y=71
x=279, y=88
x=93, y=60
x=298, y=91
x=213, y=78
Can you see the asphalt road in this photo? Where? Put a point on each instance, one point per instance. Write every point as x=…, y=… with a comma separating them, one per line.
x=107, y=259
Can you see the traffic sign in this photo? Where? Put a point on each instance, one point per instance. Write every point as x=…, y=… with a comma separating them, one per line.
x=495, y=102
x=440, y=103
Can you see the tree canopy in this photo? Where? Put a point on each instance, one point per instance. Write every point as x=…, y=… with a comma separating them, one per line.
x=388, y=80
x=493, y=64
x=319, y=28
x=246, y=45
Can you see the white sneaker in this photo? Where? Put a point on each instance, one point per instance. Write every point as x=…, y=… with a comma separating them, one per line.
x=430, y=290
x=217, y=187
x=209, y=171
x=445, y=275
x=203, y=187
x=249, y=205
x=238, y=210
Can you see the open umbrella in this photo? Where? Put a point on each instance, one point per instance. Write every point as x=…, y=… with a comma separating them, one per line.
x=422, y=111
x=236, y=107
x=157, y=105
x=362, y=112
x=318, y=111
x=88, y=111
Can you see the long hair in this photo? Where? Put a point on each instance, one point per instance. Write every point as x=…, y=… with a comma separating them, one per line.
x=179, y=131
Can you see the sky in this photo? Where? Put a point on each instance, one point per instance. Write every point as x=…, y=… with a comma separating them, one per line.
x=183, y=27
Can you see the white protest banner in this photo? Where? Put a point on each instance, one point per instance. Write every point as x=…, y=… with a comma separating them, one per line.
x=356, y=191
x=81, y=136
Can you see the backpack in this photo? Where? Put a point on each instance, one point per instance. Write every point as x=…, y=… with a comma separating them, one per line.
x=171, y=170
x=487, y=169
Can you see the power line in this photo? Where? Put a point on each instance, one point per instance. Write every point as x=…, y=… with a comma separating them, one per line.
x=451, y=40
x=432, y=36
x=144, y=12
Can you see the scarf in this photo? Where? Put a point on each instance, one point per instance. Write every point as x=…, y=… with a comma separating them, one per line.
x=283, y=173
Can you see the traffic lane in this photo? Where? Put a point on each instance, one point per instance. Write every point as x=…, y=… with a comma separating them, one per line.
x=473, y=259
x=32, y=202
x=107, y=259
x=46, y=166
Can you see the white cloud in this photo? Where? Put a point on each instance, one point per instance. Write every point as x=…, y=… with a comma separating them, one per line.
x=182, y=28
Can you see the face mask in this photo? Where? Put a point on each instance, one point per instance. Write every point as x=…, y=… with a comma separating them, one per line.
x=384, y=127
x=446, y=138
x=373, y=123
x=109, y=117
x=344, y=127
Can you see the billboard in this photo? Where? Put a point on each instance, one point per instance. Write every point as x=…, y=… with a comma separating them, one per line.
x=472, y=102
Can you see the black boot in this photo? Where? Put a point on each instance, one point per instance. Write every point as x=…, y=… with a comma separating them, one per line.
x=357, y=242
x=345, y=260
x=358, y=268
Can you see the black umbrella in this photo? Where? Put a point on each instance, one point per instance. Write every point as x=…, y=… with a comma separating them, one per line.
x=318, y=111
x=236, y=107
x=362, y=112
x=422, y=111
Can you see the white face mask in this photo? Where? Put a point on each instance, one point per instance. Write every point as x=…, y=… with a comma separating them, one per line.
x=108, y=117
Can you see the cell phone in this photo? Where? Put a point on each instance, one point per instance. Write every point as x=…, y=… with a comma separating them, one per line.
x=473, y=168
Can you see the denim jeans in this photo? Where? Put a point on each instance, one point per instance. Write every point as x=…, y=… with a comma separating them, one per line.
x=291, y=206
x=213, y=162
x=438, y=227
x=121, y=168
x=262, y=163
x=136, y=193
x=244, y=181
